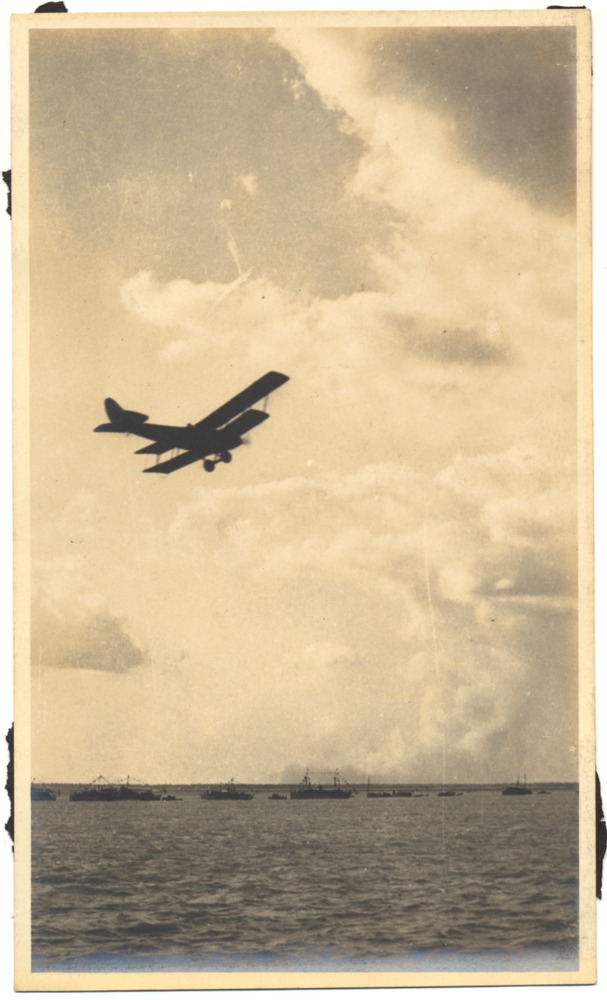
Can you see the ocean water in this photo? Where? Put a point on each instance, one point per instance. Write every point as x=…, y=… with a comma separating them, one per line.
x=478, y=881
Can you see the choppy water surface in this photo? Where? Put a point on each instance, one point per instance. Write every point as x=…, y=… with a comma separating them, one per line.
x=478, y=881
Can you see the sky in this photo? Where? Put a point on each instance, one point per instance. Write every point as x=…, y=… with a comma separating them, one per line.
x=385, y=581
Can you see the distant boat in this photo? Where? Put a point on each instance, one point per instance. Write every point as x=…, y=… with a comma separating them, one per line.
x=448, y=793
x=275, y=797
x=339, y=789
x=40, y=793
x=226, y=793
x=376, y=794
x=384, y=794
x=101, y=790
x=520, y=788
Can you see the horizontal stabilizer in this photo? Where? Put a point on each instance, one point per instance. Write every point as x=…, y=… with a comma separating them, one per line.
x=108, y=429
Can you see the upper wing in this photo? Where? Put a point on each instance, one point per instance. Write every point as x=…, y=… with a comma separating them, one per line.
x=248, y=397
x=179, y=462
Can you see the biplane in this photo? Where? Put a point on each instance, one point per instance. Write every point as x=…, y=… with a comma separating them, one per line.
x=210, y=441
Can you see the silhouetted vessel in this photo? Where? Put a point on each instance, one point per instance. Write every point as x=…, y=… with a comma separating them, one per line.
x=339, y=789
x=226, y=793
x=396, y=793
x=40, y=793
x=101, y=790
x=275, y=797
x=521, y=788
x=377, y=794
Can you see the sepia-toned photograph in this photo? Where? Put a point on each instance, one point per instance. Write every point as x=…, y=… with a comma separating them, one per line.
x=304, y=661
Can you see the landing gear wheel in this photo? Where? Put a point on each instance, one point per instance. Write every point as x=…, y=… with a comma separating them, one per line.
x=208, y=465
x=226, y=456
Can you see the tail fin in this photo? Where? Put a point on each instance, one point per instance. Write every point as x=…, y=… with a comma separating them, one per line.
x=113, y=409
x=120, y=419
x=116, y=413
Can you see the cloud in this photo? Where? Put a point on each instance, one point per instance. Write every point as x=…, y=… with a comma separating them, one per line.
x=363, y=366
x=469, y=299
x=464, y=323
x=434, y=596
x=390, y=569
x=295, y=85
x=96, y=641
x=102, y=644
x=79, y=517
x=462, y=240
x=389, y=611
x=181, y=303
x=504, y=92
x=249, y=183
x=62, y=586
x=72, y=625
x=450, y=345
x=481, y=520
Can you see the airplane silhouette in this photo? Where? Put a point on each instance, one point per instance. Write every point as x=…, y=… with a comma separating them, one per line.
x=211, y=440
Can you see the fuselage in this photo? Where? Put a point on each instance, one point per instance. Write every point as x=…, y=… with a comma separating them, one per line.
x=166, y=437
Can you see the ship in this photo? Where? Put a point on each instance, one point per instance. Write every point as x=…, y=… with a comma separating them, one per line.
x=521, y=788
x=338, y=789
x=396, y=793
x=40, y=793
x=101, y=790
x=226, y=793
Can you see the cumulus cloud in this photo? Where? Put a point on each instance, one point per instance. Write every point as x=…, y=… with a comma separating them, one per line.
x=482, y=519
x=98, y=640
x=389, y=572
x=63, y=587
x=427, y=600
x=470, y=305
x=181, y=303
x=464, y=245
x=102, y=644
x=450, y=345
x=390, y=611
x=72, y=625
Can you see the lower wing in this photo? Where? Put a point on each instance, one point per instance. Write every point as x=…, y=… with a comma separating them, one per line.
x=179, y=462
